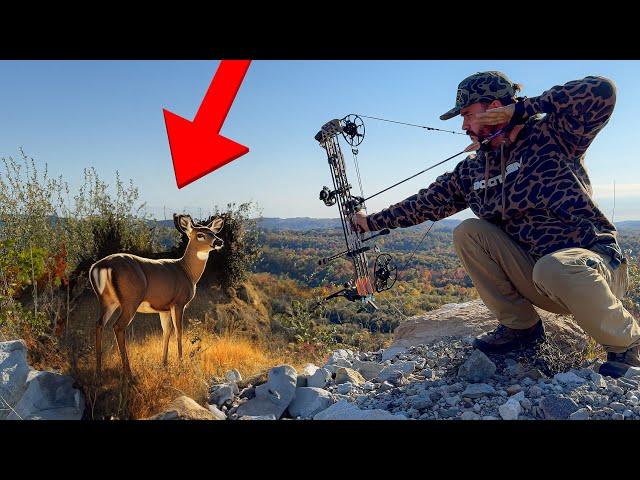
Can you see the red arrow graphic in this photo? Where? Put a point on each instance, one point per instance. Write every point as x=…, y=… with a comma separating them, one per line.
x=197, y=148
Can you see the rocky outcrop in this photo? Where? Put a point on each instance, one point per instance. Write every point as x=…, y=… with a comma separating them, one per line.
x=431, y=372
x=274, y=396
x=29, y=394
x=472, y=318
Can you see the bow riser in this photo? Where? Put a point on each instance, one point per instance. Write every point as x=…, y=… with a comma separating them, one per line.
x=345, y=201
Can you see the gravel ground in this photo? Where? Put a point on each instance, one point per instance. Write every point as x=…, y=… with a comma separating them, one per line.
x=449, y=380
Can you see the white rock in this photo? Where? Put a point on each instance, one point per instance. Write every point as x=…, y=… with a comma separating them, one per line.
x=309, y=369
x=216, y=413
x=332, y=368
x=368, y=370
x=274, y=396
x=406, y=366
x=319, y=379
x=222, y=395
x=49, y=396
x=233, y=376
x=344, y=410
x=257, y=417
x=338, y=363
x=510, y=410
x=309, y=401
x=477, y=390
x=632, y=372
x=477, y=368
x=392, y=352
x=568, y=377
x=345, y=388
x=395, y=370
x=470, y=416
x=345, y=374
x=582, y=414
x=341, y=357
x=14, y=371
x=389, y=374
x=598, y=380
x=518, y=396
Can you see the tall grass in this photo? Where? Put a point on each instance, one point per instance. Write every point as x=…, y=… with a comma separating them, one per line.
x=206, y=359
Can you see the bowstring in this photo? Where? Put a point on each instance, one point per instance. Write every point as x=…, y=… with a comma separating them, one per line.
x=410, y=124
x=357, y=168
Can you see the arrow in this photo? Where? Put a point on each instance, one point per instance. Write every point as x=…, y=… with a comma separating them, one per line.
x=197, y=148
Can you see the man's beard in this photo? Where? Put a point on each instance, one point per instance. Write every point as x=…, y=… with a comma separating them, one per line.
x=482, y=136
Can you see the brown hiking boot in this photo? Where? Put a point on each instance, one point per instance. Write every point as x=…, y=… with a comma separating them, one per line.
x=617, y=364
x=503, y=338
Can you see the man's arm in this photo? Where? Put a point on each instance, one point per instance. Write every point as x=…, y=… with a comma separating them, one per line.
x=441, y=199
x=577, y=110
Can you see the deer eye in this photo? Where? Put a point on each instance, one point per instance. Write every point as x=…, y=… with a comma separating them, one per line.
x=200, y=236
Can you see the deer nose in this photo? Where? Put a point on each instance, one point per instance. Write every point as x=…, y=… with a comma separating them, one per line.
x=217, y=243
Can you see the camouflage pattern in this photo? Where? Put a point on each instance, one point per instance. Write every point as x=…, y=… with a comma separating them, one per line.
x=536, y=189
x=481, y=87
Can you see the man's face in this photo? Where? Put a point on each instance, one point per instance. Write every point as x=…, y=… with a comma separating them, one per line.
x=471, y=126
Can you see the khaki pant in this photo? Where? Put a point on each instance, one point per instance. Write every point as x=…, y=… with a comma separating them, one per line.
x=571, y=281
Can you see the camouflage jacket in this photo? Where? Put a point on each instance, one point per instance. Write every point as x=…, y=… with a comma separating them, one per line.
x=545, y=200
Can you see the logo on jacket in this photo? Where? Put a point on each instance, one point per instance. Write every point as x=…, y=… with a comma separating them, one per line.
x=493, y=181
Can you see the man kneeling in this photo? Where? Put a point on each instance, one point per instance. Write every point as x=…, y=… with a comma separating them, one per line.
x=539, y=238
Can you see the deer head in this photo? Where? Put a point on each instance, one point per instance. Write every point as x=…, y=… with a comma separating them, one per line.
x=201, y=237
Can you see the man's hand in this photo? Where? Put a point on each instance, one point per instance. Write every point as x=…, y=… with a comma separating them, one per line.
x=473, y=147
x=496, y=116
x=360, y=222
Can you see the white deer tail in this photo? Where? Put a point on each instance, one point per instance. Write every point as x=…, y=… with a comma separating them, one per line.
x=99, y=278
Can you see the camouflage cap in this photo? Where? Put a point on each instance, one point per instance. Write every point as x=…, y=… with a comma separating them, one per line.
x=481, y=87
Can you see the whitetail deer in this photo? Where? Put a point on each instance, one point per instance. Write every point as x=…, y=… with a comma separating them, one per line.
x=164, y=286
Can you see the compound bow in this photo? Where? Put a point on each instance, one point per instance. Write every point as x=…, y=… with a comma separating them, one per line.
x=385, y=270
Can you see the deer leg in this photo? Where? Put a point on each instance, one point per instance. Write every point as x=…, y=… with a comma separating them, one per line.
x=167, y=327
x=119, y=329
x=106, y=310
x=176, y=313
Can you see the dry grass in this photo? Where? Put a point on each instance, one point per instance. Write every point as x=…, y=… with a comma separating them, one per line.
x=206, y=356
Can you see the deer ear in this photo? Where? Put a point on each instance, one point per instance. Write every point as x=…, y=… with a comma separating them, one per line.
x=216, y=225
x=184, y=223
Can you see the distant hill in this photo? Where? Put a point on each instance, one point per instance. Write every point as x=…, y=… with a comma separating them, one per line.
x=304, y=224
x=307, y=223
x=298, y=223
x=628, y=225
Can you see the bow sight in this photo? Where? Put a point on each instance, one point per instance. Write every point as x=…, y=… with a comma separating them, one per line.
x=362, y=288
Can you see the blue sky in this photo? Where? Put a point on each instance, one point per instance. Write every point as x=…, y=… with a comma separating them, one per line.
x=108, y=114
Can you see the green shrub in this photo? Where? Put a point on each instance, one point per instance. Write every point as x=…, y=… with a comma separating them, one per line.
x=49, y=237
x=302, y=326
x=231, y=265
